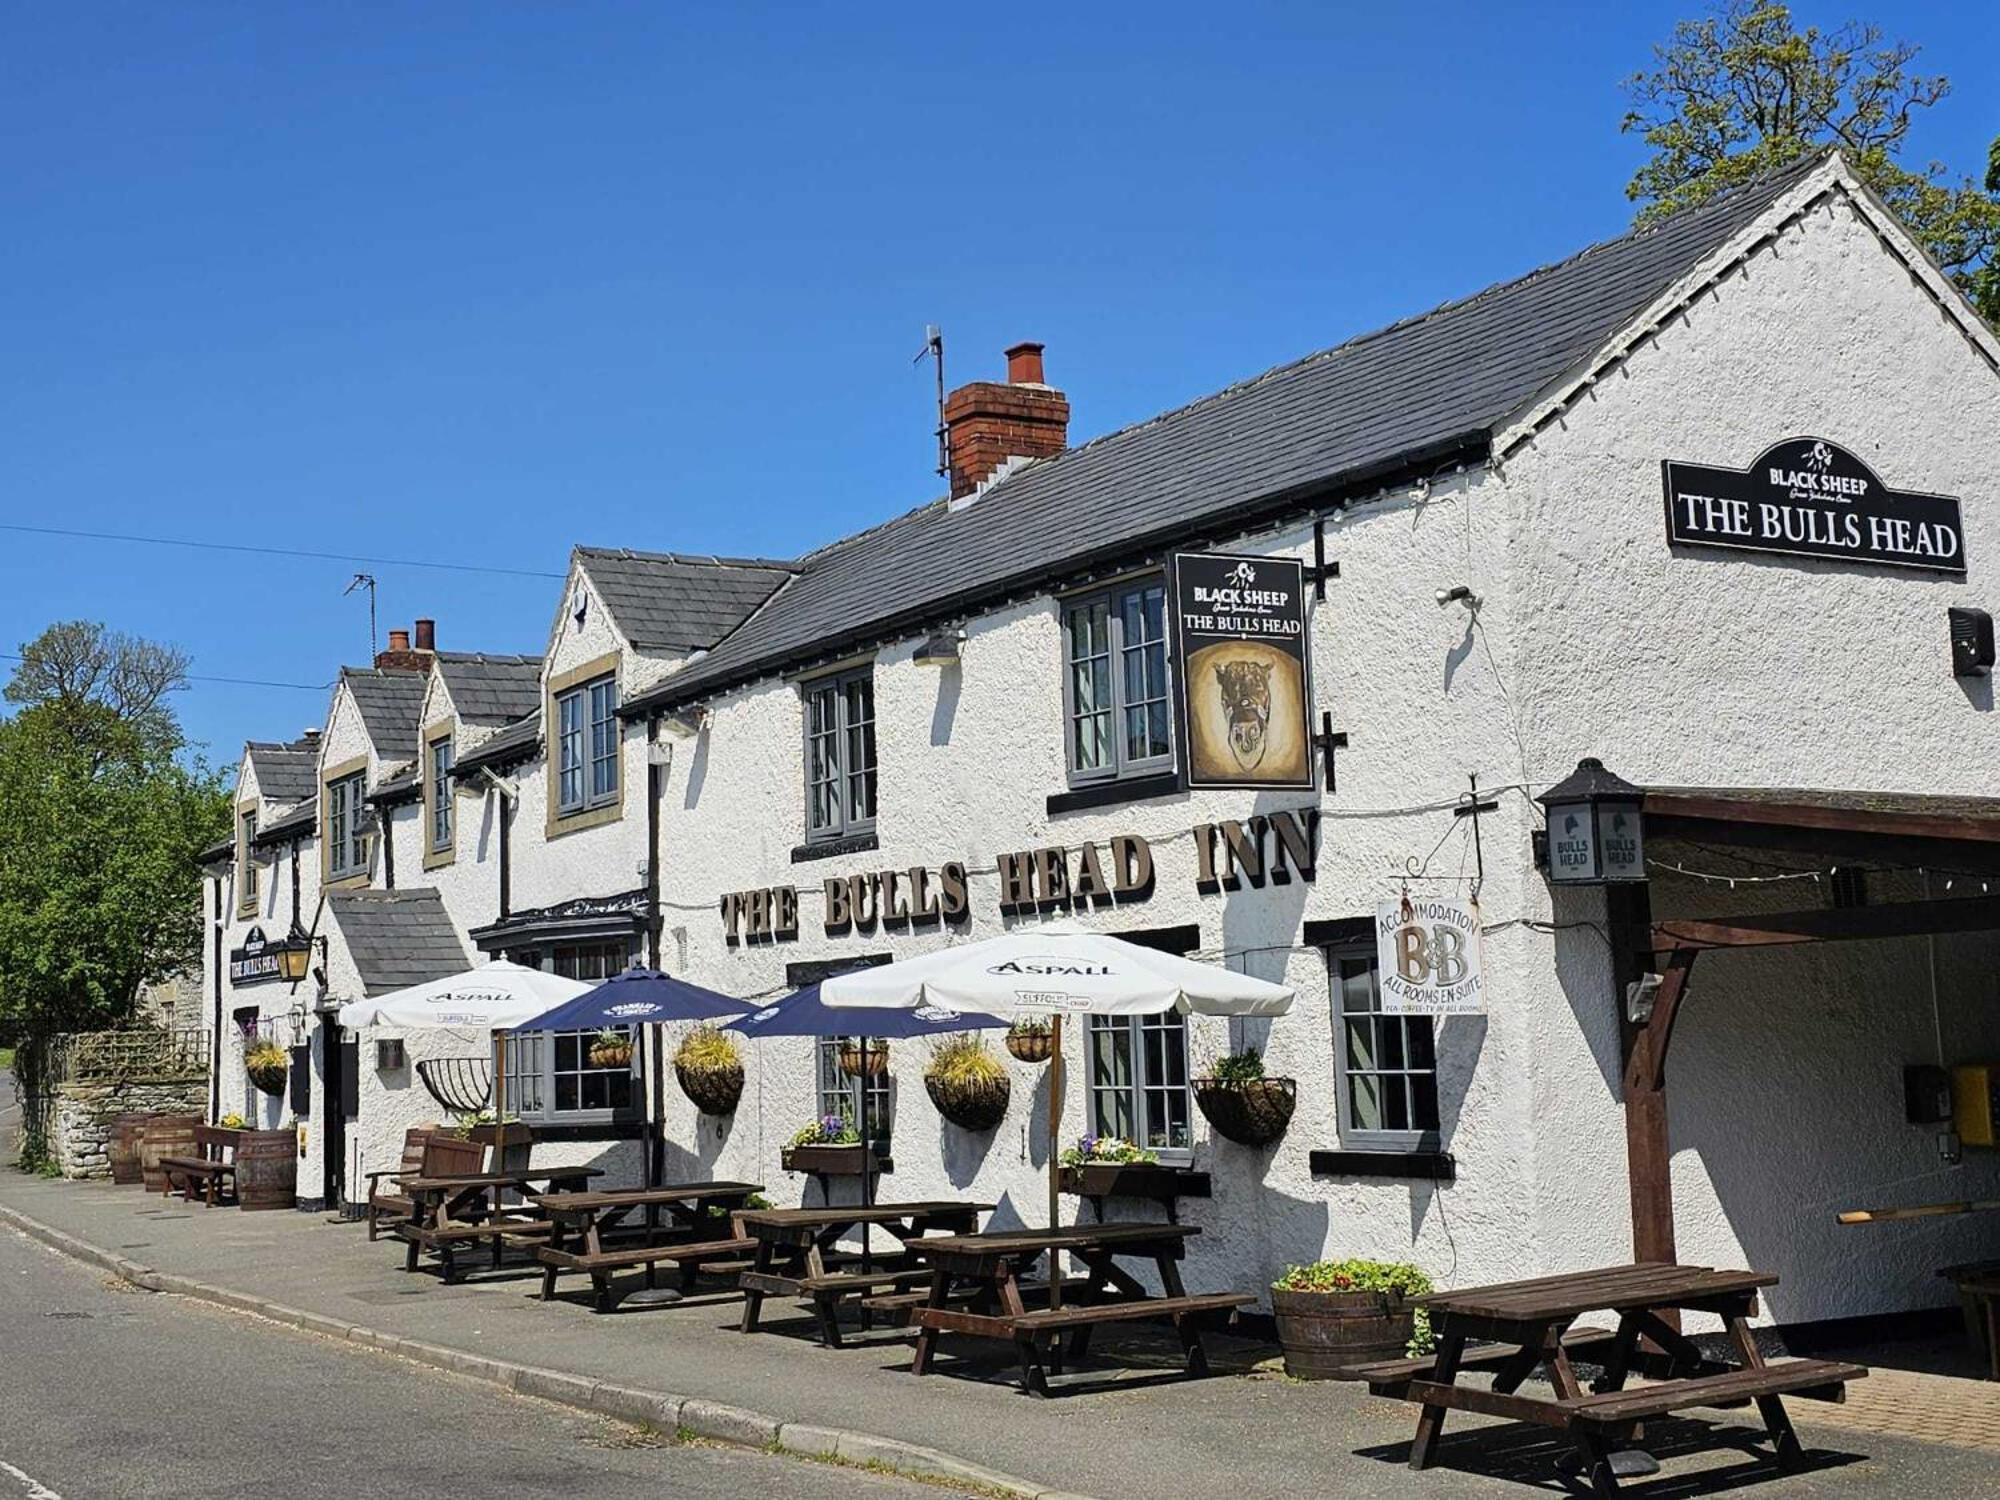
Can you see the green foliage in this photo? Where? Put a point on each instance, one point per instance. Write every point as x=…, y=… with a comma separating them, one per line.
x=1367, y=1276
x=965, y=1058
x=708, y=1049
x=1743, y=91
x=234, y=1121
x=1246, y=1066
x=828, y=1130
x=478, y=1120
x=265, y=1053
x=1107, y=1150
x=1030, y=1026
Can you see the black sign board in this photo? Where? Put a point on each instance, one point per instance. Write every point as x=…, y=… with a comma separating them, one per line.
x=1807, y=497
x=1245, y=677
x=256, y=962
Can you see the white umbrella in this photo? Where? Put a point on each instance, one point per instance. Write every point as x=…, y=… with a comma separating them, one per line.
x=1056, y=970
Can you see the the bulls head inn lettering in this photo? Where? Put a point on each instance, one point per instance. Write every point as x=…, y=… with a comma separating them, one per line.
x=1807, y=497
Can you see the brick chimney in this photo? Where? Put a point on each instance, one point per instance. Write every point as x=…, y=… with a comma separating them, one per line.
x=989, y=423
x=402, y=657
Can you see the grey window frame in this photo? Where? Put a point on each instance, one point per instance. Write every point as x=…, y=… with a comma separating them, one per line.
x=347, y=847
x=531, y=1055
x=1373, y=1138
x=839, y=1094
x=443, y=813
x=845, y=822
x=247, y=881
x=1138, y=1091
x=597, y=741
x=1119, y=765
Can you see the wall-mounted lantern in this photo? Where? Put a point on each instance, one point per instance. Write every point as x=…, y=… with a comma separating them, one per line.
x=1596, y=829
x=939, y=650
x=294, y=957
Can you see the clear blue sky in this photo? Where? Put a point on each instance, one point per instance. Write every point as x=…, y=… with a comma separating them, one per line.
x=476, y=282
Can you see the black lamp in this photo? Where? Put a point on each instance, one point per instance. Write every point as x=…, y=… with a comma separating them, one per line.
x=1596, y=827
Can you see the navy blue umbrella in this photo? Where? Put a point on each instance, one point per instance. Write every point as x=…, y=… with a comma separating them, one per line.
x=632, y=999
x=803, y=1013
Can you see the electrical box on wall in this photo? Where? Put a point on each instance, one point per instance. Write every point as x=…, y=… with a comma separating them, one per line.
x=1975, y=1102
x=1971, y=642
x=1926, y=1094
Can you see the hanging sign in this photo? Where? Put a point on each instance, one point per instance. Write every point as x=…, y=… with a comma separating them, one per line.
x=256, y=962
x=1245, y=678
x=1807, y=497
x=1429, y=956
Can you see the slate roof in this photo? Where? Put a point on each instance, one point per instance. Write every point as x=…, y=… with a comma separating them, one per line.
x=398, y=938
x=670, y=601
x=390, y=702
x=519, y=741
x=491, y=689
x=300, y=820
x=285, y=773
x=407, y=785
x=219, y=852
x=1387, y=404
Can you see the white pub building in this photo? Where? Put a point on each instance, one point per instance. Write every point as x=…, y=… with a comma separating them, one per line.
x=1710, y=505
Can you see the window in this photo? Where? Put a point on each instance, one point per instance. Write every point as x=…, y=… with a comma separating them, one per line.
x=841, y=1095
x=550, y=1075
x=1388, y=1064
x=246, y=860
x=1139, y=1082
x=441, y=805
x=587, y=743
x=1115, y=686
x=840, y=755
x=346, y=837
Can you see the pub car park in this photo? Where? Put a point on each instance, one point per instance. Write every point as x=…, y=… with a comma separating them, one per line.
x=1458, y=633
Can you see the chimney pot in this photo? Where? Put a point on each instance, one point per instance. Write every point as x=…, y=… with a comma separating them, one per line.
x=427, y=635
x=1024, y=365
x=399, y=640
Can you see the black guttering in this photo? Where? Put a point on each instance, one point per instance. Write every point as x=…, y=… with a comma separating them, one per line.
x=1320, y=497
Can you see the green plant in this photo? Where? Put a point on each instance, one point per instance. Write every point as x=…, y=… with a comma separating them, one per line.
x=1246, y=1066
x=264, y=1053
x=479, y=1120
x=755, y=1200
x=1399, y=1277
x=234, y=1121
x=708, y=1049
x=965, y=1058
x=1107, y=1150
x=1029, y=1026
x=828, y=1130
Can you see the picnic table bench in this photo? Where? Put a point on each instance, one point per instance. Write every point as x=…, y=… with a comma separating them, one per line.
x=447, y=1212
x=986, y=1270
x=1527, y=1326
x=428, y=1151
x=212, y=1172
x=1978, y=1284
x=795, y=1254
x=584, y=1220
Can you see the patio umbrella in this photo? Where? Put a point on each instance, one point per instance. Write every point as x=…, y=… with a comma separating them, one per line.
x=1056, y=970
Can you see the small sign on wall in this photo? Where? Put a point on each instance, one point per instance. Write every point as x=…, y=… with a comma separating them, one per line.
x=1429, y=957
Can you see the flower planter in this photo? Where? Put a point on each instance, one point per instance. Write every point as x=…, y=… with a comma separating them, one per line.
x=1031, y=1046
x=123, y=1154
x=1325, y=1333
x=715, y=1091
x=853, y=1062
x=970, y=1106
x=267, y=1169
x=1134, y=1180
x=830, y=1161
x=510, y=1155
x=1254, y=1112
x=270, y=1078
x=619, y=1056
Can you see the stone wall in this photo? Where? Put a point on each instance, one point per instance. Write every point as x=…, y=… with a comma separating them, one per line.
x=85, y=1112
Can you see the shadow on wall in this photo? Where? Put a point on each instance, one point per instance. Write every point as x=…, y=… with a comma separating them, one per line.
x=951, y=681
x=697, y=771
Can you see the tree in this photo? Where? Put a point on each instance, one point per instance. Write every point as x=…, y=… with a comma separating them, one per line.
x=1743, y=91
x=102, y=814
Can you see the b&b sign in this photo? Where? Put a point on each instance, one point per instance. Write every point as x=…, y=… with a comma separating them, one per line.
x=1429, y=958
x=1810, y=498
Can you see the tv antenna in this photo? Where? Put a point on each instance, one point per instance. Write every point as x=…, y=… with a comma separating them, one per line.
x=934, y=348
x=365, y=580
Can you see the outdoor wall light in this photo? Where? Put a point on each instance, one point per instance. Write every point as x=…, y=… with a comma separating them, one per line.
x=294, y=957
x=1640, y=997
x=1596, y=828
x=941, y=650
x=687, y=722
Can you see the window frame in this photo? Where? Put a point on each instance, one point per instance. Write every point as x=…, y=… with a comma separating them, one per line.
x=349, y=855
x=1140, y=1088
x=438, y=784
x=1355, y=1137
x=845, y=824
x=248, y=885
x=532, y=1056
x=833, y=1087
x=1118, y=765
x=598, y=741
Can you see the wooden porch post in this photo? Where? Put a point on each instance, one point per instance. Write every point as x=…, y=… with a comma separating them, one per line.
x=1642, y=1051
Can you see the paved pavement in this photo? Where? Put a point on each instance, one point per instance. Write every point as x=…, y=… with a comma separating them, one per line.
x=114, y=1394
x=1241, y=1434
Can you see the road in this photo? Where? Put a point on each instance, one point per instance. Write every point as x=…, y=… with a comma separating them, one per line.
x=117, y=1394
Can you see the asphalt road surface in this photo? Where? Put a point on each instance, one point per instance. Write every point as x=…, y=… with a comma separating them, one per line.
x=117, y=1394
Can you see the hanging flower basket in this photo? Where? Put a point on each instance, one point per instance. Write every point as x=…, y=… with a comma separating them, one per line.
x=714, y=1090
x=1031, y=1046
x=269, y=1068
x=971, y=1104
x=874, y=1062
x=611, y=1050
x=1251, y=1111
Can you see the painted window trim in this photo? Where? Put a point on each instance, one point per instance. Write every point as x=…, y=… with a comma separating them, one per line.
x=1119, y=768
x=606, y=807
x=333, y=872
x=248, y=887
x=1170, y=1156
x=438, y=855
x=1355, y=1138
x=843, y=827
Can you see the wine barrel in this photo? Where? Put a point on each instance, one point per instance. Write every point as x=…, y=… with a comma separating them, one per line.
x=161, y=1136
x=267, y=1169
x=1322, y=1333
x=124, y=1148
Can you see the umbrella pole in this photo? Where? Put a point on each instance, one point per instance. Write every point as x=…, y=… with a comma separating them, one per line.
x=867, y=1160
x=1055, y=1141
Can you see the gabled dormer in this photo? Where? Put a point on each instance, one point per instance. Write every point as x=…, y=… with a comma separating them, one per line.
x=468, y=698
x=274, y=780
x=371, y=736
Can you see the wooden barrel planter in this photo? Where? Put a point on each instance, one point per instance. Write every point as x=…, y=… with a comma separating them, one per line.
x=715, y=1091
x=267, y=1169
x=1322, y=1333
x=1253, y=1112
x=163, y=1136
x=124, y=1149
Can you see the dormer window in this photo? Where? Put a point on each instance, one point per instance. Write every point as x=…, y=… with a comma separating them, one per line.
x=346, y=833
x=587, y=746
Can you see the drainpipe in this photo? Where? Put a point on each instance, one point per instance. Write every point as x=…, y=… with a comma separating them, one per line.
x=215, y=1032
x=386, y=820
x=656, y=1153
x=506, y=857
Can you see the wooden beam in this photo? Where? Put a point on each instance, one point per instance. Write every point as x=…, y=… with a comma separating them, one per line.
x=1825, y=924
x=1648, y=1151
x=1953, y=824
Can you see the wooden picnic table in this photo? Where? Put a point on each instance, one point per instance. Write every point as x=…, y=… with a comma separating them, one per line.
x=985, y=1272
x=796, y=1255
x=1526, y=1325
x=693, y=1240
x=446, y=1212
